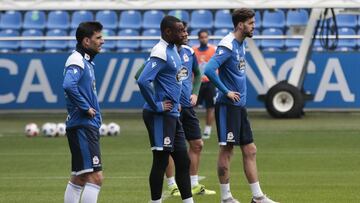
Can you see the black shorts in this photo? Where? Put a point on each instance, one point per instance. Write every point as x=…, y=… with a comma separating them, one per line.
x=190, y=123
x=85, y=149
x=207, y=95
x=233, y=126
x=165, y=131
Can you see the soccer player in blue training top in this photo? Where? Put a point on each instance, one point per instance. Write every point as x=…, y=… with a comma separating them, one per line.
x=84, y=118
x=233, y=126
x=190, y=123
x=161, y=110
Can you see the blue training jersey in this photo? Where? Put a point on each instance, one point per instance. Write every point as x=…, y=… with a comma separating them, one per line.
x=189, y=62
x=230, y=60
x=80, y=91
x=165, y=71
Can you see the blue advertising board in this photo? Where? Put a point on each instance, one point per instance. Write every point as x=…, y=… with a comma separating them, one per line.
x=34, y=81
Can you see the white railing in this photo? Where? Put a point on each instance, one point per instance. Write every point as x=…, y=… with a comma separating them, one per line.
x=173, y=4
x=26, y=38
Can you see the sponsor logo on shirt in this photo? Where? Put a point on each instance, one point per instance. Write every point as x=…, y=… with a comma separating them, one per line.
x=182, y=74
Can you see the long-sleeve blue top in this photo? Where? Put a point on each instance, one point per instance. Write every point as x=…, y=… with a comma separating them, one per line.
x=230, y=60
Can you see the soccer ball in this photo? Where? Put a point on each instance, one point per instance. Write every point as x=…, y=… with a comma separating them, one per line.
x=103, y=129
x=31, y=130
x=60, y=129
x=113, y=129
x=49, y=129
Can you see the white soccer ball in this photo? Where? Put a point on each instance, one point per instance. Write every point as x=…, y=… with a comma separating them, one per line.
x=49, y=129
x=60, y=129
x=113, y=129
x=31, y=130
x=103, y=129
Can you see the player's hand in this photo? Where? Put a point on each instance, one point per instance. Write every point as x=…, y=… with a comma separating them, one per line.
x=91, y=112
x=193, y=99
x=167, y=105
x=234, y=96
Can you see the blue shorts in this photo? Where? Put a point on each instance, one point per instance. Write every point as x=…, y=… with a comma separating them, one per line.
x=165, y=132
x=85, y=149
x=233, y=126
x=190, y=123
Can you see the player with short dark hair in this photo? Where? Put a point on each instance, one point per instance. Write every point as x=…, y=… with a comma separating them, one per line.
x=161, y=110
x=84, y=118
x=207, y=91
x=233, y=126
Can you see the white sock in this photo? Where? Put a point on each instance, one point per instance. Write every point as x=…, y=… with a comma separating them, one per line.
x=188, y=200
x=90, y=193
x=256, y=190
x=156, y=201
x=225, y=191
x=194, y=180
x=207, y=129
x=171, y=181
x=72, y=193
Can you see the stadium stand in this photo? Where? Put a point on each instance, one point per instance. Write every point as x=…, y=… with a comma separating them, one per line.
x=108, y=19
x=110, y=44
x=11, y=20
x=130, y=19
x=147, y=45
x=152, y=19
x=220, y=32
x=80, y=16
x=272, y=44
x=34, y=20
x=58, y=20
x=9, y=46
x=142, y=22
x=223, y=19
x=32, y=45
x=181, y=14
x=128, y=45
x=56, y=45
x=72, y=43
x=273, y=19
x=346, y=44
x=201, y=19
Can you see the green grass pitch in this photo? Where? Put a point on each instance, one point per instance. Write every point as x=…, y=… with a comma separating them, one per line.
x=314, y=159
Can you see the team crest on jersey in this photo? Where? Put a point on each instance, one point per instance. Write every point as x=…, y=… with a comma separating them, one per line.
x=230, y=137
x=167, y=142
x=96, y=160
x=242, y=65
x=186, y=58
x=182, y=74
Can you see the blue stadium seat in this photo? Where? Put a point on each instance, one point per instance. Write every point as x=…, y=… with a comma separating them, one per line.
x=128, y=45
x=201, y=19
x=272, y=44
x=346, y=44
x=58, y=20
x=346, y=20
x=257, y=41
x=32, y=45
x=8, y=46
x=147, y=45
x=11, y=20
x=220, y=32
x=72, y=43
x=223, y=19
x=273, y=19
x=258, y=21
x=56, y=45
x=152, y=19
x=297, y=17
x=181, y=14
x=107, y=18
x=34, y=20
x=130, y=19
x=292, y=44
x=81, y=16
x=109, y=45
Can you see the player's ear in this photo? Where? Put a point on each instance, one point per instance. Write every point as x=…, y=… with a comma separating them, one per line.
x=86, y=41
x=168, y=31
